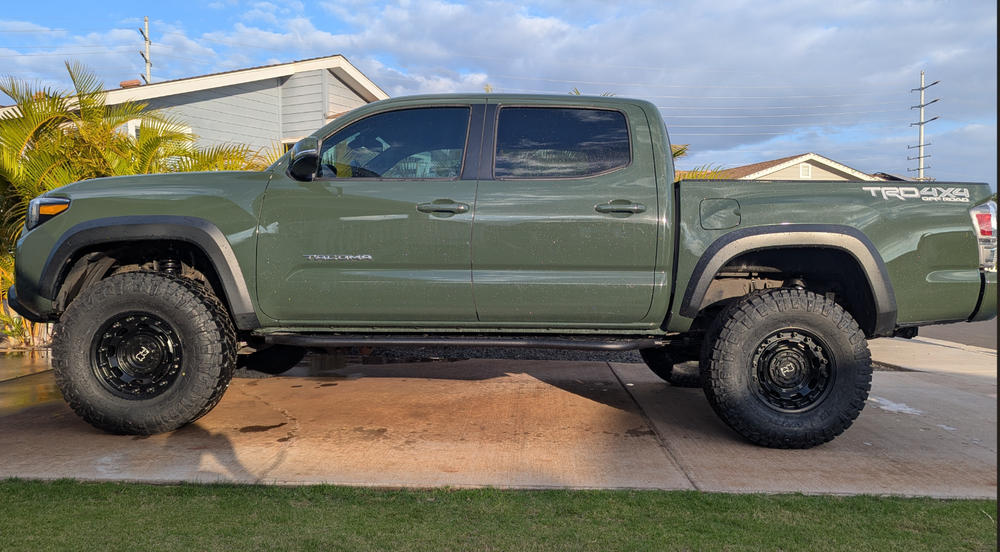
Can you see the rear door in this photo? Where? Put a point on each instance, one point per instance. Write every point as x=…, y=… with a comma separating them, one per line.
x=383, y=233
x=566, y=222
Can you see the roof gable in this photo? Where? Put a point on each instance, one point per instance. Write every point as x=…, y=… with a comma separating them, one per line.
x=764, y=168
x=337, y=64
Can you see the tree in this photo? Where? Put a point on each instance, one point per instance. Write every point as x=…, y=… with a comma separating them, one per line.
x=52, y=138
x=55, y=137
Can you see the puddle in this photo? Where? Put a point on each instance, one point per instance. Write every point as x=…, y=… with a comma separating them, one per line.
x=17, y=364
x=889, y=406
x=25, y=381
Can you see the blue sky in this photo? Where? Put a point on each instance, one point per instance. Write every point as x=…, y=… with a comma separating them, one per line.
x=740, y=81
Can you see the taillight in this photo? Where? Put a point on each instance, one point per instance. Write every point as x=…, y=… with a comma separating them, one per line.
x=984, y=221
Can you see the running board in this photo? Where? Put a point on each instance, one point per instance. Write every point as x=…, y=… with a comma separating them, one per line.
x=335, y=341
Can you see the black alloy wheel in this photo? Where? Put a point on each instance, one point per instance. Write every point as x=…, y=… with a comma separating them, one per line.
x=786, y=368
x=136, y=355
x=140, y=353
x=793, y=371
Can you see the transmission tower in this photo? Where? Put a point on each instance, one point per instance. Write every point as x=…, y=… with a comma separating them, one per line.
x=920, y=126
x=145, y=55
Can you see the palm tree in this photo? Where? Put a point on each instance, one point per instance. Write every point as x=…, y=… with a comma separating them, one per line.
x=55, y=137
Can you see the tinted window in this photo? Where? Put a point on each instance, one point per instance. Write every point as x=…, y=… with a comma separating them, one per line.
x=548, y=142
x=408, y=143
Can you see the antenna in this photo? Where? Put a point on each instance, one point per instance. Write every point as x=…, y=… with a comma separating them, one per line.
x=145, y=55
x=920, y=127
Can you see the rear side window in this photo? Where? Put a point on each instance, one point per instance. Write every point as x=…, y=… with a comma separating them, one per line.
x=559, y=142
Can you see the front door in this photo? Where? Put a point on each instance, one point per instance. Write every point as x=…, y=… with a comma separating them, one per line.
x=382, y=234
x=566, y=229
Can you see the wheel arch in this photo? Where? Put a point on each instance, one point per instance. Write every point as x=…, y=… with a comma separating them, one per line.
x=197, y=232
x=843, y=239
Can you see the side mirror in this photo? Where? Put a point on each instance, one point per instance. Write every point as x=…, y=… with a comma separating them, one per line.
x=305, y=159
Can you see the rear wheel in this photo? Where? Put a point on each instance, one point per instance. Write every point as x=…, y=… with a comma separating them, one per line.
x=661, y=363
x=274, y=360
x=143, y=353
x=787, y=368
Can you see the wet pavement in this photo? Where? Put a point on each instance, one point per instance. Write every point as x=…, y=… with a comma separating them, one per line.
x=524, y=424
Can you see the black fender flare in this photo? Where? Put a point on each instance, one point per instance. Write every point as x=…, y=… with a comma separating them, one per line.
x=833, y=236
x=196, y=231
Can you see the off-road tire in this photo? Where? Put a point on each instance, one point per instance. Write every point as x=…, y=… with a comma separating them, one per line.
x=201, y=358
x=764, y=344
x=274, y=360
x=660, y=362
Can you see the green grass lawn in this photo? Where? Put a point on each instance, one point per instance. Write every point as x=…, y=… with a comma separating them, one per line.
x=107, y=516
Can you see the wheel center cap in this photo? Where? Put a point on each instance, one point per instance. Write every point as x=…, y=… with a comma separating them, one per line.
x=787, y=369
x=144, y=354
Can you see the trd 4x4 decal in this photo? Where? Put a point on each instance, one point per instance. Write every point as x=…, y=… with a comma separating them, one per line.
x=928, y=193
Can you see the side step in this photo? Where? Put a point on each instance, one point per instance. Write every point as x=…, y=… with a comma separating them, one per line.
x=322, y=341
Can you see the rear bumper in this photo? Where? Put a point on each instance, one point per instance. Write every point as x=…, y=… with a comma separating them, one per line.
x=987, y=307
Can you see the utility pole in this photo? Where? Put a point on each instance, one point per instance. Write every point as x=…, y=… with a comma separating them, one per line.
x=145, y=55
x=920, y=126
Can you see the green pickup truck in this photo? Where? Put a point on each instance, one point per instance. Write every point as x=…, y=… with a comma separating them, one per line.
x=494, y=220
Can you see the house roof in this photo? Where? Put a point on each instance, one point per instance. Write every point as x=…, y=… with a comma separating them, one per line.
x=764, y=168
x=746, y=170
x=337, y=64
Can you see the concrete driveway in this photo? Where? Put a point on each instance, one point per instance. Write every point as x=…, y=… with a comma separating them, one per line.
x=929, y=430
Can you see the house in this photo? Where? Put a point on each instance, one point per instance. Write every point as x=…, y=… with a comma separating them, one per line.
x=260, y=106
x=806, y=166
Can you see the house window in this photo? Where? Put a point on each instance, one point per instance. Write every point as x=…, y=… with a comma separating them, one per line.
x=805, y=170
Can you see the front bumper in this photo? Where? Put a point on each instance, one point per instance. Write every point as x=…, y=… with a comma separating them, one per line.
x=22, y=309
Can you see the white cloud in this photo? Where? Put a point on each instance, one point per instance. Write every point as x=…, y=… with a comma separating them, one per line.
x=702, y=60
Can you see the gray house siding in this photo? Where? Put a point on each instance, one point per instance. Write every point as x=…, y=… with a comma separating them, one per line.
x=242, y=113
x=302, y=104
x=341, y=97
x=261, y=114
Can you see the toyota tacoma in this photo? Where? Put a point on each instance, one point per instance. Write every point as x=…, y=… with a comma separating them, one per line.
x=494, y=220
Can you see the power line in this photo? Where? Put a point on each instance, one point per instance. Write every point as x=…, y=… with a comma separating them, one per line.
x=76, y=53
x=656, y=85
x=672, y=97
x=727, y=133
x=675, y=97
x=780, y=115
x=35, y=31
x=803, y=124
x=761, y=108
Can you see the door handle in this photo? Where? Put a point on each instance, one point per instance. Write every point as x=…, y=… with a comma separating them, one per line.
x=443, y=206
x=620, y=206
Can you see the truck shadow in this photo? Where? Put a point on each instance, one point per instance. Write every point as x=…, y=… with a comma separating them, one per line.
x=583, y=373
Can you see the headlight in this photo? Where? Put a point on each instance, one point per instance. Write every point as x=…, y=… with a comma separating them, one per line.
x=42, y=209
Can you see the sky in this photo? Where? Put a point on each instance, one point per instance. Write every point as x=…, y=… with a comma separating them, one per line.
x=739, y=81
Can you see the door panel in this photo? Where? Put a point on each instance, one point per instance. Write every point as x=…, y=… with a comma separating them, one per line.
x=566, y=250
x=354, y=248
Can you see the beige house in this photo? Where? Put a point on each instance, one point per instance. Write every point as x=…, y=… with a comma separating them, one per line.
x=806, y=166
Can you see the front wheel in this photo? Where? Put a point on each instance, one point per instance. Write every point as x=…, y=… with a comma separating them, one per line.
x=142, y=353
x=787, y=369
